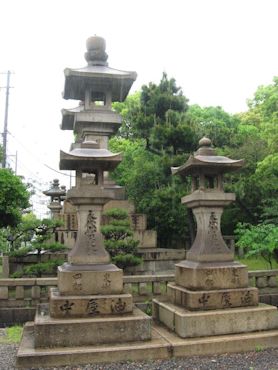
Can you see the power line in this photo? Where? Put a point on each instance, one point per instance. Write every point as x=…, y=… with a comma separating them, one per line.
x=61, y=173
x=39, y=160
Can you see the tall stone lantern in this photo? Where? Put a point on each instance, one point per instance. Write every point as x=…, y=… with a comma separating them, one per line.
x=210, y=295
x=90, y=307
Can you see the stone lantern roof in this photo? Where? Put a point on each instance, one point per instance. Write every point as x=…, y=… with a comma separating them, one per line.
x=55, y=191
x=205, y=160
x=97, y=76
x=89, y=159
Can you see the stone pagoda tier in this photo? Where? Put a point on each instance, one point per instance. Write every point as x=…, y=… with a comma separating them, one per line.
x=57, y=195
x=89, y=306
x=211, y=295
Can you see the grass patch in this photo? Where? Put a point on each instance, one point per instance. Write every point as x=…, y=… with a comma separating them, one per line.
x=256, y=263
x=1, y=271
x=11, y=334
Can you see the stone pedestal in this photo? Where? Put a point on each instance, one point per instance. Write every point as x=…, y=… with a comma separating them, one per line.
x=89, y=279
x=188, y=324
x=209, y=299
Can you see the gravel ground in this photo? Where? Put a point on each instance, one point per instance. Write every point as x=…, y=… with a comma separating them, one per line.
x=260, y=360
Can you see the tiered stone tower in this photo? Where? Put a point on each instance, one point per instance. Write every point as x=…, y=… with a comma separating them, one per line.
x=57, y=195
x=210, y=295
x=89, y=306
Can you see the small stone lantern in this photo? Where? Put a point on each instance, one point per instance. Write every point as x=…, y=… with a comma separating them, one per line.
x=57, y=195
x=207, y=201
x=211, y=294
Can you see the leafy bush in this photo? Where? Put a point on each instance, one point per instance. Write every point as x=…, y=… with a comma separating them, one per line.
x=23, y=251
x=259, y=240
x=53, y=247
x=126, y=260
x=37, y=270
x=117, y=213
x=119, y=240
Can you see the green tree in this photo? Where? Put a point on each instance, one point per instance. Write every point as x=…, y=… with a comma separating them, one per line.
x=260, y=240
x=156, y=115
x=128, y=109
x=119, y=240
x=34, y=235
x=214, y=123
x=149, y=184
x=14, y=198
x=263, y=112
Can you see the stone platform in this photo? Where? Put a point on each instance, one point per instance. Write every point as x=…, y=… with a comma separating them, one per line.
x=163, y=345
x=68, y=332
x=193, y=324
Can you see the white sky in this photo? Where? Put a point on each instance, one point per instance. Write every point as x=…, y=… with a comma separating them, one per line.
x=219, y=52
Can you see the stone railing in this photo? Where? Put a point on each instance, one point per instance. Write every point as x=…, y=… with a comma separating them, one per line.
x=267, y=283
x=18, y=297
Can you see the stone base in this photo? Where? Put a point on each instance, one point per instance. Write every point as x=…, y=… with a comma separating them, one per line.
x=89, y=279
x=103, y=329
x=212, y=299
x=163, y=345
x=211, y=276
x=192, y=324
x=89, y=305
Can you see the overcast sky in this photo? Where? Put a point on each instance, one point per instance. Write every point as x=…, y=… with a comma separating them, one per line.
x=219, y=52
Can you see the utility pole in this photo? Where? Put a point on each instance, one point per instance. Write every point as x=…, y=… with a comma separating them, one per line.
x=5, y=132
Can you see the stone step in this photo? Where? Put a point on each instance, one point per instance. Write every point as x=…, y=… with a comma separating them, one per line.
x=163, y=345
x=68, y=332
x=191, y=324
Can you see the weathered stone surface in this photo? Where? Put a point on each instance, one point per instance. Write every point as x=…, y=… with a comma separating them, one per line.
x=147, y=238
x=90, y=279
x=89, y=246
x=157, y=259
x=5, y=267
x=89, y=305
x=211, y=276
x=50, y=332
x=4, y=292
x=209, y=245
x=164, y=344
x=189, y=324
x=218, y=344
x=212, y=299
x=138, y=221
x=156, y=348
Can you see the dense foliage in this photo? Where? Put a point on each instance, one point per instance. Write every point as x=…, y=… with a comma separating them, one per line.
x=34, y=236
x=160, y=129
x=14, y=198
x=259, y=240
x=119, y=240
